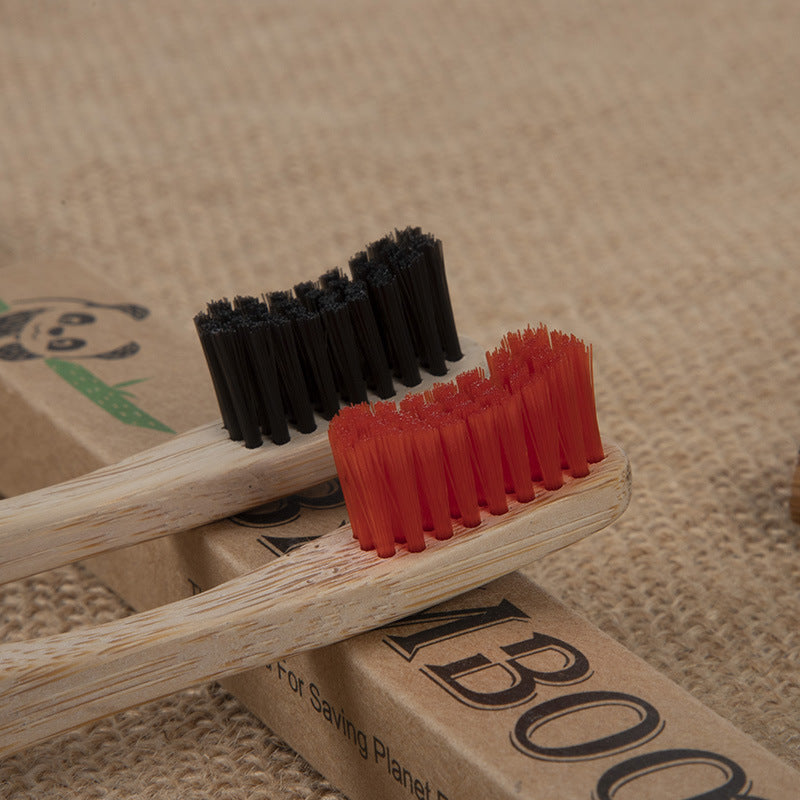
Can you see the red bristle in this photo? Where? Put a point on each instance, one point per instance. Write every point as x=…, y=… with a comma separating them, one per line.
x=456, y=446
x=349, y=492
x=377, y=502
x=580, y=357
x=513, y=373
x=501, y=368
x=591, y=427
x=432, y=481
x=437, y=419
x=543, y=428
x=413, y=405
x=495, y=360
x=517, y=385
x=356, y=480
x=342, y=442
x=518, y=343
x=471, y=382
x=355, y=443
x=512, y=343
x=462, y=407
x=489, y=394
x=397, y=458
x=468, y=443
x=570, y=426
x=403, y=490
x=485, y=392
x=511, y=427
x=486, y=447
x=443, y=394
x=536, y=339
x=388, y=455
x=536, y=351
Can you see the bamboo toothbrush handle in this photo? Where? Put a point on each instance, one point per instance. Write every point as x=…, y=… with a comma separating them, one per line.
x=322, y=592
x=193, y=478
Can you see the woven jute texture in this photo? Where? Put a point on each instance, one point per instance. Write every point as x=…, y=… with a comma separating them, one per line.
x=629, y=172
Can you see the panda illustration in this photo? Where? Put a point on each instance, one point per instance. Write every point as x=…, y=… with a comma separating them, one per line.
x=65, y=328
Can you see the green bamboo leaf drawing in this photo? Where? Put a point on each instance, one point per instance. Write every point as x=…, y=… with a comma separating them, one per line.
x=109, y=398
x=128, y=383
x=3, y=307
x=124, y=392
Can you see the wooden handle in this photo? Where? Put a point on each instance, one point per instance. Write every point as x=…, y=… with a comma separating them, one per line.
x=322, y=592
x=192, y=479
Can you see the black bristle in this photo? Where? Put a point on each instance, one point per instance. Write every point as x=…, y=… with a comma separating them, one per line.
x=278, y=360
x=387, y=297
x=308, y=294
x=392, y=313
x=315, y=357
x=344, y=350
x=231, y=349
x=220, y=310
x=360, y=266
x=433, y=251
x=382, y=251
x=205, y=327
x=334, y=281
x=411, y=270
x=294, y=390
x=262, y=349
x=375, y=364
x=254, y=324
x=311, y=348
x=280, y=302
x=249, y=307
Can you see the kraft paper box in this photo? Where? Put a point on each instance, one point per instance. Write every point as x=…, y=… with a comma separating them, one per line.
x=501, y=693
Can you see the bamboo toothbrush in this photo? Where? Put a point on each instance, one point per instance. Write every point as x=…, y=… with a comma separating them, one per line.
x=469, y=462
x=286, y=362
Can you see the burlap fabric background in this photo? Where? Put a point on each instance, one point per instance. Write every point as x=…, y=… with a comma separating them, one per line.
x=627, y=171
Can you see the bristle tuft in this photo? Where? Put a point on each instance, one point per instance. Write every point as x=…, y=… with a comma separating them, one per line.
x=329, y=341
x=471, y=443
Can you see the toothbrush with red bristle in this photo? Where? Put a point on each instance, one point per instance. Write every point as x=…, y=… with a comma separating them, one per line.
x=474, y=479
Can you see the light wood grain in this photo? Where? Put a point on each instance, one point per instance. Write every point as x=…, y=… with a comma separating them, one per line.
x=192, y=479
x=794, y=501
x=320, y=593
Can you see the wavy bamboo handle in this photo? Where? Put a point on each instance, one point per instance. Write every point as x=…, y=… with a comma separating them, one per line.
x=322, y=592
x=192, y=479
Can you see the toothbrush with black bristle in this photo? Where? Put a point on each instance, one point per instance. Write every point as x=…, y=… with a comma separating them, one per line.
x=281, y=367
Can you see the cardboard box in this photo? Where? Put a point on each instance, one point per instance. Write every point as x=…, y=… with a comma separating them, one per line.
x=500, y=693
